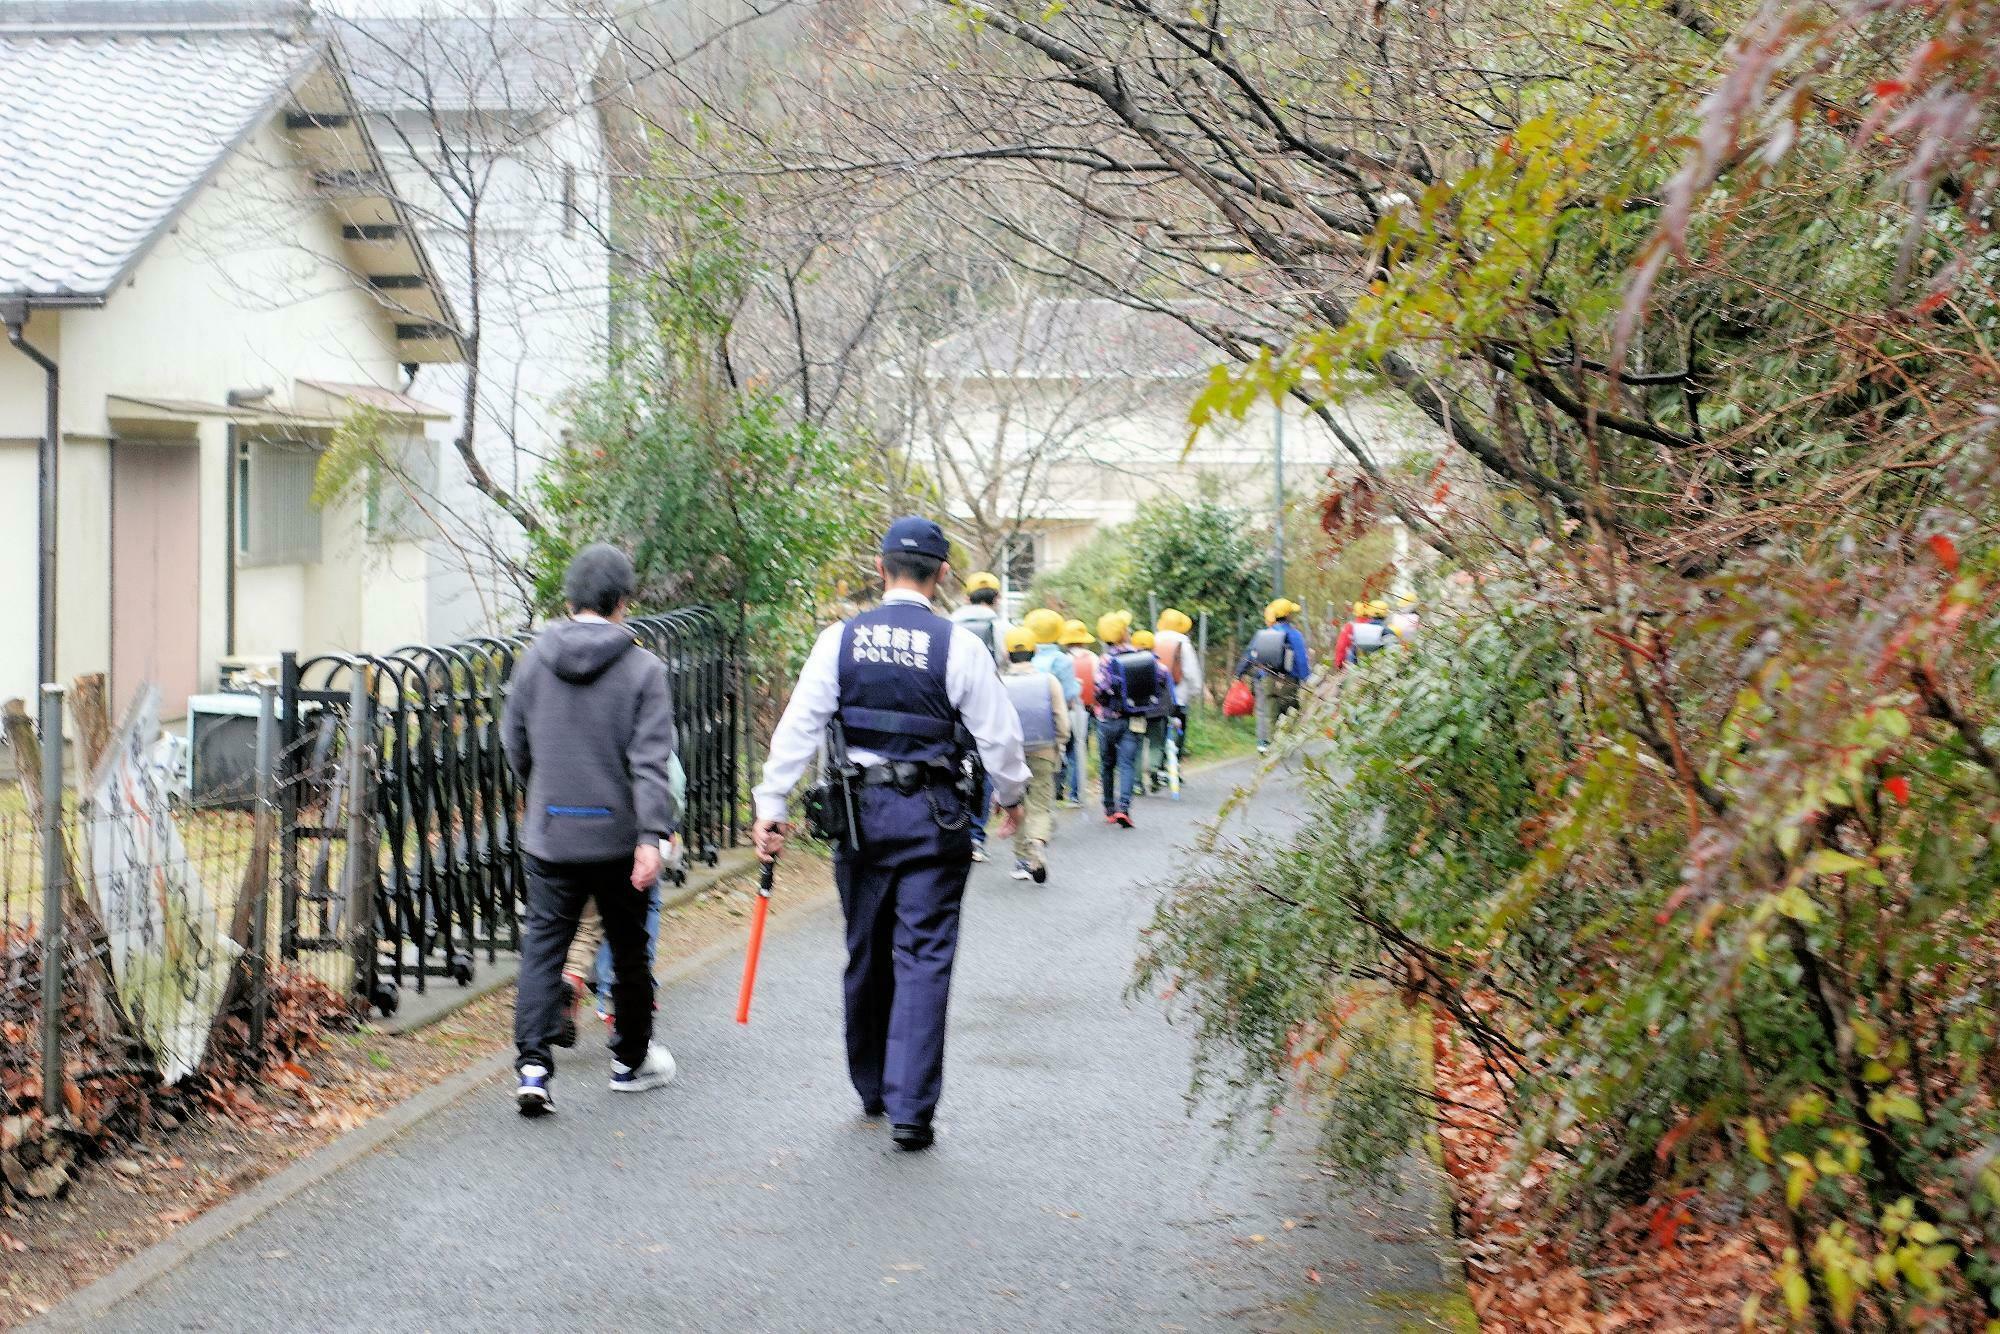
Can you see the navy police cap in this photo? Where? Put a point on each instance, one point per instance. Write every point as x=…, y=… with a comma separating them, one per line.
x=916, y=536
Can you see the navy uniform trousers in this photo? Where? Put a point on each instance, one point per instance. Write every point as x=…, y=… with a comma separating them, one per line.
x=901, y=895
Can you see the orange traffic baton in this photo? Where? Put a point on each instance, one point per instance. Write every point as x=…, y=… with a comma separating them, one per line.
x=756, y=941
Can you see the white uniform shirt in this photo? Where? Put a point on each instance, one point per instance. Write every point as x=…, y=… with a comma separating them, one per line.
x=970, y=683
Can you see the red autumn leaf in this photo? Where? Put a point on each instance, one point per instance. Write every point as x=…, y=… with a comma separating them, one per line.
x=1946, y=551
x=1669, y=1218
x=1899, y=788
x=1890, y=87
x=1932, y=302
x=1665, y=1225
x=1664, y=1149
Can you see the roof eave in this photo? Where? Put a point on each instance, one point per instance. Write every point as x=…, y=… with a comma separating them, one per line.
x=55, y=300
x=449, y=348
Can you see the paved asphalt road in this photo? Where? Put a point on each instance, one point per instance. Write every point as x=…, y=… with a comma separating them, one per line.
x=1070, y=1188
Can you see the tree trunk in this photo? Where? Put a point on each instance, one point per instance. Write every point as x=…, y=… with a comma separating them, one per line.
x=91, y=709
x=88, y=949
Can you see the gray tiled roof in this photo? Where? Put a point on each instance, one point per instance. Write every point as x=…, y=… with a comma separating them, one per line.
x=523, y=63
x=104, y=135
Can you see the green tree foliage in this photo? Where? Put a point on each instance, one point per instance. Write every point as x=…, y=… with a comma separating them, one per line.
x=1683, y=809
x=720, y=492
x=1198, y=555
x=748, y=510
x=1091, y=582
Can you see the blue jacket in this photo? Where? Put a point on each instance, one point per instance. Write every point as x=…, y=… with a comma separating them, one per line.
x=1301, y=659
x=1054, y=659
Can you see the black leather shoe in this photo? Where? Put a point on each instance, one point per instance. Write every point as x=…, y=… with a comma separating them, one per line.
x=911, y=1139
x=871, y=1110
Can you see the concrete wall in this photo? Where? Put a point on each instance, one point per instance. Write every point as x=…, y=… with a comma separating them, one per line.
x=242, y=293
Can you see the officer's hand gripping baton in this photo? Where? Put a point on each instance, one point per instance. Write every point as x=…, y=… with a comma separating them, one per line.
x=756, y=940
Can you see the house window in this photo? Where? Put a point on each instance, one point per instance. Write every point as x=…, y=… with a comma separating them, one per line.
x=568, y=200
x=1018, y=552
x=276, y=521
x=400, y=490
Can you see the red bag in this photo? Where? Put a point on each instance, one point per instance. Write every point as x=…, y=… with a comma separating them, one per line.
x=1239, y=702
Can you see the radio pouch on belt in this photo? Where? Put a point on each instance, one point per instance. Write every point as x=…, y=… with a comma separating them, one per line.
x=830, y=807
x=971, y=767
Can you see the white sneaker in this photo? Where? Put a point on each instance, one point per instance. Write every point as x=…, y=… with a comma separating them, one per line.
x=1021, y=871
x=651, y=1073
x=978, y=853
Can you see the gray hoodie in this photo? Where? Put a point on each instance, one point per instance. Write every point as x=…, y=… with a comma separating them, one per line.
x=589, y=731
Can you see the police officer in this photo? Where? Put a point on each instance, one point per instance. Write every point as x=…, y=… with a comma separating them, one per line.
x=912, y=693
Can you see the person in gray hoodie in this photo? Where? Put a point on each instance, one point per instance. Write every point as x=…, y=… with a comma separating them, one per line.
x=589, y=732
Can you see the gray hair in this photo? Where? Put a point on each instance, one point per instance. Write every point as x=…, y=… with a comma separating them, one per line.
x=599, y=578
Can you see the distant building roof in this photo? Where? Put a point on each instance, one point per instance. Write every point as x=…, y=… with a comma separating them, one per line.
x=494, y=64
x=107, y=125
x=1072, y=338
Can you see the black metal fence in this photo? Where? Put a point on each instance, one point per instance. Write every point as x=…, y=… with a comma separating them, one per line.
x=416, y=733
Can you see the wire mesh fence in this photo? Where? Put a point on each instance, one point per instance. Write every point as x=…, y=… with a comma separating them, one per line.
x=157, y=907
x=373, y=850
x=157, y=913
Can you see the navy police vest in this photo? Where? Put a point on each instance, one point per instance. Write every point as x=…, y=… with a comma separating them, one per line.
x=893, y=699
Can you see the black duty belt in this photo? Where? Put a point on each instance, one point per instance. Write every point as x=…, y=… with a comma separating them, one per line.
x=907, y=776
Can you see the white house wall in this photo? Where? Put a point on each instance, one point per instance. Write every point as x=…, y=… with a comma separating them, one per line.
x=544, y=329
x=247, y=290
x=1123, y=456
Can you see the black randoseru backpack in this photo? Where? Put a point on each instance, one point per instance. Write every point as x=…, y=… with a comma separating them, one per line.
x=1136, y=673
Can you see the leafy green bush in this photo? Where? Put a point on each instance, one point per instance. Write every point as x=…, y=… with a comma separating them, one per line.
x=1738, y=932
x=1091, y=582
x=1198, y=555
x=751, y=510
x=721, y=493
